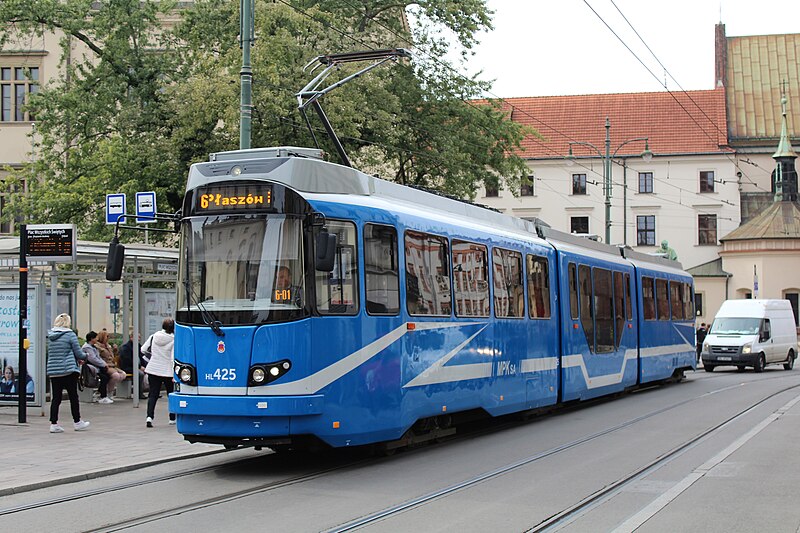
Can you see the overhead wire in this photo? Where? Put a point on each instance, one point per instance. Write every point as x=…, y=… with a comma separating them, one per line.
x=543, y=145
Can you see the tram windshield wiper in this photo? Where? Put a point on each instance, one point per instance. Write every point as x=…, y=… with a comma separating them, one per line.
x=208, y=317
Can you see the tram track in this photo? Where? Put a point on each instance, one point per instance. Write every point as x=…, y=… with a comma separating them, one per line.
x=573, y=512
x=410, y=504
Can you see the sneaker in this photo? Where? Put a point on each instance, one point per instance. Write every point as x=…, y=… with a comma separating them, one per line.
x=105, y=400
x=149, y=422
x=171, y=422
x=55, y=428
x=81, y=425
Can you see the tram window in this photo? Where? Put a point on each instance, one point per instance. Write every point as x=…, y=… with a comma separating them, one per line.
x=628, y=304
x=573, y=291
x=619, y=307
x=604, y=310
x=585, y=296
x=337, y=291
x=470, y=279
x=539, y=287
x=675, y=300
x=427, y=276
x=509, y=295
x=662, y=299
x=381, y=284
x=648, y=298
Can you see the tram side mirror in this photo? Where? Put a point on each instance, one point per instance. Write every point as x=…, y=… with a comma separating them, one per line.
x=115, y=260
x=326, y=251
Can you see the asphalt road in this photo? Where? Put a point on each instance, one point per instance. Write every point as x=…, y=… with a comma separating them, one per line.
x=717, y=452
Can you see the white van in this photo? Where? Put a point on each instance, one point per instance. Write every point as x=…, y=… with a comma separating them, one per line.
x=751, y=333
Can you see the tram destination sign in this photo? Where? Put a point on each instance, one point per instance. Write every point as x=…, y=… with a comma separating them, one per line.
x=51, y=242
x=233, y=197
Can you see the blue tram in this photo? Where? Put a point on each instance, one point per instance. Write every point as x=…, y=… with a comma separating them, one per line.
x=318, y=303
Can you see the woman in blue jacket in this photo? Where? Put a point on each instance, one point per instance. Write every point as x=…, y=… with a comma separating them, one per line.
x=63, y=353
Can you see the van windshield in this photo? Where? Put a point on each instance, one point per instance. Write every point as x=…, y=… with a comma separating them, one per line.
x=735, y=326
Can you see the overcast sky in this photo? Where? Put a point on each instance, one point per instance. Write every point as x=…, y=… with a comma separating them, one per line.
x=560, y=47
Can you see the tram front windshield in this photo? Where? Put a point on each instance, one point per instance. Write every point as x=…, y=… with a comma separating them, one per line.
x=241, y=269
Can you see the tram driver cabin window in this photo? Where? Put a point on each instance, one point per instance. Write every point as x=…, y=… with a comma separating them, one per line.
x=427, y=275
x=337, y=291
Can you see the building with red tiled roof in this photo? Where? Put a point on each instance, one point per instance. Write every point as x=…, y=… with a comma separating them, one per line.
x=677, y=123
x=711, y=170
x=687, y=194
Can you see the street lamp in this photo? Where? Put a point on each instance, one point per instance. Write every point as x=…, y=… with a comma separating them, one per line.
x=647, y=155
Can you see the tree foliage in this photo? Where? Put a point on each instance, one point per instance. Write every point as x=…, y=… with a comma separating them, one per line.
x=158, y=89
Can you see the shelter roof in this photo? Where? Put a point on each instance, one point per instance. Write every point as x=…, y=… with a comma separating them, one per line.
x=91, y=253
x=781, y=220
x=688, y=122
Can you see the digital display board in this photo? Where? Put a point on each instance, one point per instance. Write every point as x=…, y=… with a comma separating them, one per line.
x=50, y=242
x=233, y=197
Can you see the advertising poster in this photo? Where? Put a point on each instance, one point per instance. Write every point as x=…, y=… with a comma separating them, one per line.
x=158, y=305
x=9, y=346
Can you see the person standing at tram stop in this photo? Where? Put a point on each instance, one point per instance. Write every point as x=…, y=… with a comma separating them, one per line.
x=160, y=367
x=700, y=337
x=63, y=354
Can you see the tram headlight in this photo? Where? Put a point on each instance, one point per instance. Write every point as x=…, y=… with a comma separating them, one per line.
x=259, y=375
x=265, y=373
x=185, y=373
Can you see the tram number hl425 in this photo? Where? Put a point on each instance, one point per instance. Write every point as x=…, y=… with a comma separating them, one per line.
x=222, y=374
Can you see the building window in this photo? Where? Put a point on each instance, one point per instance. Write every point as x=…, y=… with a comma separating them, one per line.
x=526, y=189
x=793, y=301
x=646, y=230
x=706, y=181
x=707, y=229
x=579, y=184
x=491, y=191
x=15, y=84
x=645, y=182
x=579, y=225
x=698, y=304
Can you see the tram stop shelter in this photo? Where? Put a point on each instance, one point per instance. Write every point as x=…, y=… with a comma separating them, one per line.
x=148, y=280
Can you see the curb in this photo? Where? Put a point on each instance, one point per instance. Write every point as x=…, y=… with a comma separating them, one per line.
x=102, y=473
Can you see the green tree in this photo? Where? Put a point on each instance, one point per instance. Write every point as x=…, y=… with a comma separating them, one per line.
x=151, y=98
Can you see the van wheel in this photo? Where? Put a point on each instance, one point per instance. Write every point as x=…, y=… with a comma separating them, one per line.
x=789, y=364
x=760, y=364
x=708, y=368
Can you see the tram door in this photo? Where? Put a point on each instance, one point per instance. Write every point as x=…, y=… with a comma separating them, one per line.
x=599, y=341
